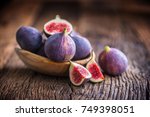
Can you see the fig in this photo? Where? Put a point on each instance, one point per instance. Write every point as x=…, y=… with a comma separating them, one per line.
x=78, y=74
x=29, y=38
x=57, y=25
x=41, y=51
x=60, y=47
x=83, y=46
x=95, y=70
x=44, y=37
x=113, y=61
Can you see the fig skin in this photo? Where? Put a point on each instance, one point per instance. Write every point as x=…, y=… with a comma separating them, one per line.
x=60, y=47
x=29, y=38
x=41, y=51
x=113, y=61
x=83, y=46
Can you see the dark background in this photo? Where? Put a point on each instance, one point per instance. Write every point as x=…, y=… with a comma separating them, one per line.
x=125, y=5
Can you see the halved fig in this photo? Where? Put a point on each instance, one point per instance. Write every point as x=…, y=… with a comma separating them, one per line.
x=57, y=25
x=95, y=70
x=78, y=74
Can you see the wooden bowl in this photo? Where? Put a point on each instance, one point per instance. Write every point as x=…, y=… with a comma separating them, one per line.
x=46, y=66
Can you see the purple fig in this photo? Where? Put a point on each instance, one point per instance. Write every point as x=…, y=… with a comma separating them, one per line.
x=113, y=61
x=41, y=51
x=83, y=46
x=60, y=47
x=29, y=38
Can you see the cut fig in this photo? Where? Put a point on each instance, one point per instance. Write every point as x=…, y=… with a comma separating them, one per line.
x=95, y=70
x=78, y=74
x=57, y=25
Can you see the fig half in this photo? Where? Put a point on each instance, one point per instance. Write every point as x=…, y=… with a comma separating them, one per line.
x=57, y=25
x=95, y=70
x=78, y=74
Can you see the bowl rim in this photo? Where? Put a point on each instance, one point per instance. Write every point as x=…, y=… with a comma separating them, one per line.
x=44, y=59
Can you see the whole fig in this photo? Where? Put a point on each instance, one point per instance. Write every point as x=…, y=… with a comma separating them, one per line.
x=60, y=47
x=83, y=46
x=113, y=61
x=29, y=38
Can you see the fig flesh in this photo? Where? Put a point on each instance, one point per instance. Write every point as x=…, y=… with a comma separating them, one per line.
x=95, y=70
x=83, y=46
x=57, y=25
x=29, y=38
x=113, y=61
x=60, y=47
x=78, y=74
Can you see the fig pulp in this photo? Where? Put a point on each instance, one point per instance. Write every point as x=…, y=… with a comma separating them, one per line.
x=78, y=74
x=83, y=46
x=57, y=25
x=60, y=47
x=29, y=38
x=95, y=70
x=113, y=61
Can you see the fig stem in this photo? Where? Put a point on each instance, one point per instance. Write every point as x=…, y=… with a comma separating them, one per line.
x=107, y=48
x=57, y=17
x=70, y=62
x=65, y=31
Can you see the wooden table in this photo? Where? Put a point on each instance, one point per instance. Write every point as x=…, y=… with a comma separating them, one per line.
x=129, y=32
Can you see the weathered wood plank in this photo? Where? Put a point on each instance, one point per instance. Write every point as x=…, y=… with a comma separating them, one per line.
x=15, y=15
x=143, y=33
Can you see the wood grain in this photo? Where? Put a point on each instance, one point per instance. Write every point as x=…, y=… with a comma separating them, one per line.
x=122, y=31
x=143, y=33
